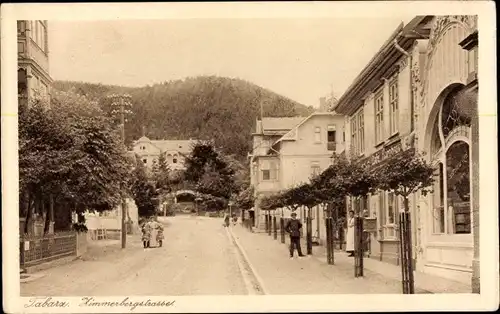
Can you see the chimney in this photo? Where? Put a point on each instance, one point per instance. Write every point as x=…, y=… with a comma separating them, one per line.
x=322, y=104
x=258, y=126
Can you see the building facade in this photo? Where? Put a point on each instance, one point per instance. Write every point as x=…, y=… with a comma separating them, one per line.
x=448, y=134
x=174, y=151
x=420, y=91
x=265, y=167
x=306, y=151
x=294, y=157
x=33, y=60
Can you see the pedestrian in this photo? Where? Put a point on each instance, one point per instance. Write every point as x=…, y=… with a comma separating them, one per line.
x=146, y=233
x=226, y=220
x=293, y=227
x=350, y=234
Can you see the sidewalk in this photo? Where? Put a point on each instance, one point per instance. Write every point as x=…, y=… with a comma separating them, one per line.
x=312, y=275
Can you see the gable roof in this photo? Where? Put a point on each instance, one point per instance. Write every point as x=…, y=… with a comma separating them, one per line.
x=280, y=124
x=182, y=146
x=291, y=135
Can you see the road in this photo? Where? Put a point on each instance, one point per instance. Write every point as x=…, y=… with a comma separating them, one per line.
x=197, y=258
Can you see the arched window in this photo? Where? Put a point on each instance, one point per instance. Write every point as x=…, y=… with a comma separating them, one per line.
x=451, y=197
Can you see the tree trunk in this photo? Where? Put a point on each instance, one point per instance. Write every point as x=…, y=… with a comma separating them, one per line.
x=309, y=231
x=29, y=213
x=46, y=211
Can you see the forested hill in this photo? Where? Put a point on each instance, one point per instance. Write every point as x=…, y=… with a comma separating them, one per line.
x=206, y=107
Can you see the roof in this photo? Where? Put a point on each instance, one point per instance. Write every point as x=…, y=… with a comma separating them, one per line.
x=361, y=80
x=281, y=124
x=405, y=35
x=290, y=136
x=182, y=146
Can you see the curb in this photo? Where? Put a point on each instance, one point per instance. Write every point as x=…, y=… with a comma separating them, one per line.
x=31, y=277
x=260, y=282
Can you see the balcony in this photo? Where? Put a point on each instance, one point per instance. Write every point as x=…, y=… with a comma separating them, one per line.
x=331, y=146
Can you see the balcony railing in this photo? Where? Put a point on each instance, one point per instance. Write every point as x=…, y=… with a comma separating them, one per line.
x=331, y=146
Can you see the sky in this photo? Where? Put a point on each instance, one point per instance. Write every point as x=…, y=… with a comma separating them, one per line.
x=302, y=59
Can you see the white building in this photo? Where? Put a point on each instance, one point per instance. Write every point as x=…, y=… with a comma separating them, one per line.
x=174, y=151
x=293, y=158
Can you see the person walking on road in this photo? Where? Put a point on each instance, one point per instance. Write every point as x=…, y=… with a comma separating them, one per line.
x=226, y=220
x=349, y=243
x=293, y=227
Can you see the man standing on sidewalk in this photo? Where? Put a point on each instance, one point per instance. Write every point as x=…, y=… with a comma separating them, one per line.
x=293, y=227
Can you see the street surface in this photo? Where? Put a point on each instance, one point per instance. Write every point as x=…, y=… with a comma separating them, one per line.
x=197, y=258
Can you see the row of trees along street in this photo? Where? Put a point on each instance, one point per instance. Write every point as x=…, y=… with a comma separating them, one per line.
x=404, y=173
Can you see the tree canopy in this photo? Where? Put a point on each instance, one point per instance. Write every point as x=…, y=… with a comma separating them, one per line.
x=72, y=151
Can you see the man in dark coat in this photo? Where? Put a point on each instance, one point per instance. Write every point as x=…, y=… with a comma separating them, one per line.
x=293, y=227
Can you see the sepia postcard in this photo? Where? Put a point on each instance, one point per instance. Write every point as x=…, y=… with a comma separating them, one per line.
x=249, y=157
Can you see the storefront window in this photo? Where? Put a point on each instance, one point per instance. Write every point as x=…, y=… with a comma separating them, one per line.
x=451, y=210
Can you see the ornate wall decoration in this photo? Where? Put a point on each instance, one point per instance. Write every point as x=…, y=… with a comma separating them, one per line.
x=402, y=63
x=441, y=24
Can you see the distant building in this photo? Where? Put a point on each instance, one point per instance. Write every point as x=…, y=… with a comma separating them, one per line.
x=175, y=151
x=33, y=60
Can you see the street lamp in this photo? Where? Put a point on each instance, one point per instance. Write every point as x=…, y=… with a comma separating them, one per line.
x=121, y=105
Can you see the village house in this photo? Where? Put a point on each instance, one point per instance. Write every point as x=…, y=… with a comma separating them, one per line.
x=264, y=168
x=289, y=158
x=174, y=151
x=306, y=151
x=418, y=91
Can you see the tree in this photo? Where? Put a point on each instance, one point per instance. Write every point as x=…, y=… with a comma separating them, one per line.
x=404, y=174
x=69, y=151
x=143, y=191
x=246, y=199
x=210, y=172
x=161, y=175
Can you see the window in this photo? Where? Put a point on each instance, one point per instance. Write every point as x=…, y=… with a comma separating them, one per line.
x=343, y=136
x=315, y=168
x=393, y=107
x=317, y=135
x=38, y=34
x=438, y=201
x=451, y=207
x=379, y=117
x=331, y=137
x=174, y=160
x=389, y=204
x=145, y=161
x=472, y=60
x=358, y=132
x=269, y=170
x=21, y=27
x=20, y=47
x=266, y=174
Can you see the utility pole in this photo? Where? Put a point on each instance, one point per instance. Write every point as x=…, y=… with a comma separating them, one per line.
x=121, y=103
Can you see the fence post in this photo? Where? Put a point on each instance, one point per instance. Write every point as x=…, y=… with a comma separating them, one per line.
x=410, y=253
x=269, y=230
x=309, y=232
x=407, y=279
x=275, y=228
x=358, y=247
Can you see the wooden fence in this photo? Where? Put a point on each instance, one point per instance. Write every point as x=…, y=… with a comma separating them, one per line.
x=36, y=250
